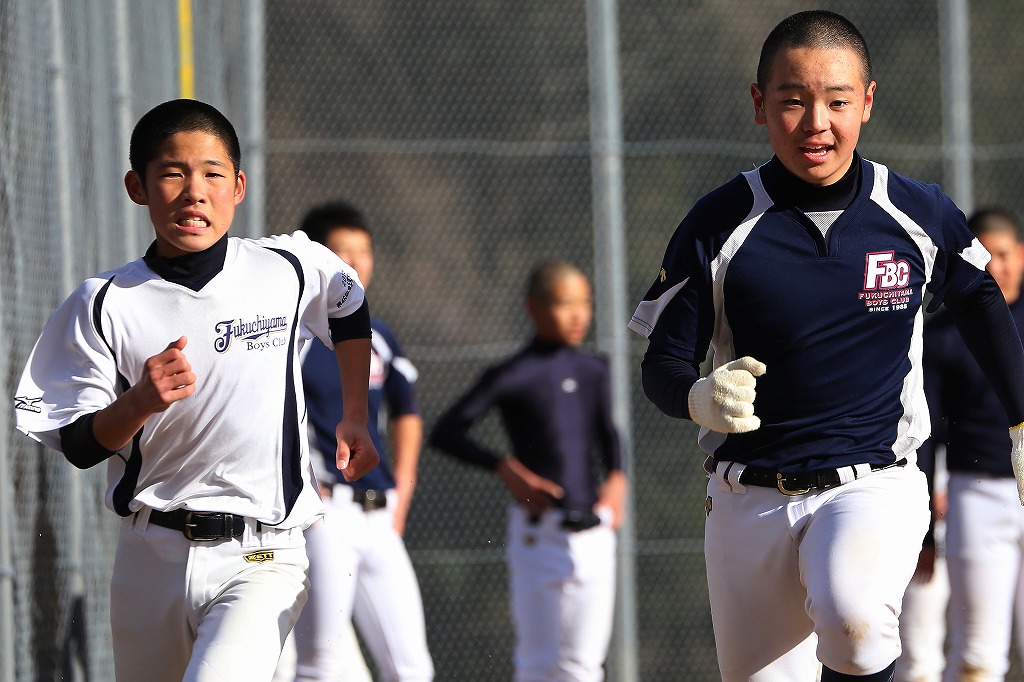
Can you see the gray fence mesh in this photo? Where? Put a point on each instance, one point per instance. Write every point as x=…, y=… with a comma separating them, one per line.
x=462, y=129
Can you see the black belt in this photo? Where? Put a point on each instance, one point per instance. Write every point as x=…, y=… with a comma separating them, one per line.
x=574, y=521
x=803, y=482
x=201, y=526
x=370, y=498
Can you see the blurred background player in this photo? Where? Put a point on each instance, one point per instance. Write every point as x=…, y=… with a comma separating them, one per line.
x=985, y=519
x=358, y=562
x=923, y=619
x=554, y=400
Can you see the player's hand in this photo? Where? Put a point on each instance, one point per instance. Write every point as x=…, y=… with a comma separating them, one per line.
x=723, y=401
x=1017, y=457
x=167, y=378
x=925, y=565
x=356, y=453
x=613, y=496
x=534, y=493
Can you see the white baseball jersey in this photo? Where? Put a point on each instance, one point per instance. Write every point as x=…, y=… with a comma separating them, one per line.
x=238, y=443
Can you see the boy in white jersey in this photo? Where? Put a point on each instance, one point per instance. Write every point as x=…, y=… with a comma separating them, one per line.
x=181, y=371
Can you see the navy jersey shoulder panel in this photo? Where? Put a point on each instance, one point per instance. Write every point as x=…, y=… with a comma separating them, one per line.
x=291, y=453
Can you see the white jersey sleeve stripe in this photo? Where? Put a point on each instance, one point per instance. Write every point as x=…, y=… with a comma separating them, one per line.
x=648, y=312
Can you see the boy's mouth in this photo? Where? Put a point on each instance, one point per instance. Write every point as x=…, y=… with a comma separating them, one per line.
x=193, y=222
x=819, y=151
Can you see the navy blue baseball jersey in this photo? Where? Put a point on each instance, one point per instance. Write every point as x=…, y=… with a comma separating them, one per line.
x=555, y=405
x=966, y=413
x=831, y=312
x=391, y=392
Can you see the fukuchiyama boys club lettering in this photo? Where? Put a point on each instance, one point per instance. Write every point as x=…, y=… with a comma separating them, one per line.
x=252, y=333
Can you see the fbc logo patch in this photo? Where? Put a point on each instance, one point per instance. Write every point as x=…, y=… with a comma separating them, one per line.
x=886, y=282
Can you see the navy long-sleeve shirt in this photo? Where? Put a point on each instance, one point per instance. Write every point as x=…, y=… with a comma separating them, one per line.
x=966, y=412
x=555, y=405
x=826, y=288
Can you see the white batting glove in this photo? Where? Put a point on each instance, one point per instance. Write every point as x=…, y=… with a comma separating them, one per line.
x=723, y=401
x=1017, y=457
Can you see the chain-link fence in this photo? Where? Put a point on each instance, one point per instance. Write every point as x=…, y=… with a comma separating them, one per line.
x=463, y=130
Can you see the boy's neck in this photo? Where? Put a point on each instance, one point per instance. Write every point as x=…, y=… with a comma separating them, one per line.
x=193, y=270
x=811, y=198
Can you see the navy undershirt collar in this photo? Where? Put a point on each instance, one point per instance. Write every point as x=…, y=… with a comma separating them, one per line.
x=789, y=190
x=193, y=270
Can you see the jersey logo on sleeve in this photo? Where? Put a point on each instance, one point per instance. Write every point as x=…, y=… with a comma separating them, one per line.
x=26, y=404
x=886, y=282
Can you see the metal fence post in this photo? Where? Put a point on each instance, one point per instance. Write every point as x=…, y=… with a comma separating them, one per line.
x=955, y=51
x=610, y=285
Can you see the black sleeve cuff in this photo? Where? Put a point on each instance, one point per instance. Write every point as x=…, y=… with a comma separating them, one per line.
x=79, y=444
x=667, y=382
x=354, y=326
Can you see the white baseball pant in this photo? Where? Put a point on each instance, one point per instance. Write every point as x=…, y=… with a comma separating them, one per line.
x=359, y=567
x=923, y=628
x=184, y=611
x=562, y=594
x=794, y=580
x=984, y=556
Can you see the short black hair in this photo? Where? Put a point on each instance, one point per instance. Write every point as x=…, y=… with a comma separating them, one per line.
x=542, y=278
x=815, y=29
x=179, y=116
x=994, y=219
x=321, y=219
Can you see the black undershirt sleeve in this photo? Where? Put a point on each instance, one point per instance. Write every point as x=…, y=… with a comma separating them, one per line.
x=988, y=329
x=79, y=444
x=667, y=382
x=354, y=326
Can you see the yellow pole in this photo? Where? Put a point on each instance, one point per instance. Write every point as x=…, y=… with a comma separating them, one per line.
x=186, y=69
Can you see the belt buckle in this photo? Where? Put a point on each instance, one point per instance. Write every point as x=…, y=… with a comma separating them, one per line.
x=786, y=491
x=189, y=525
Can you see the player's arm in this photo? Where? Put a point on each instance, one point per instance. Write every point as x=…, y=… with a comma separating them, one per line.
x=406, y=443
x=166, y=379
x=988, y=329
x=451, y=436
x=612, y=493
x=351, y=334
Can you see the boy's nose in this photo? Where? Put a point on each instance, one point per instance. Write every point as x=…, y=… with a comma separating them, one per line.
x=816, y=117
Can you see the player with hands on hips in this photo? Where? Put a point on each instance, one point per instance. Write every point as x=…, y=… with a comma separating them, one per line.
x=555, y=402
x=180, y=371
x=816, y=264
x=984, y=518
x=359, y=565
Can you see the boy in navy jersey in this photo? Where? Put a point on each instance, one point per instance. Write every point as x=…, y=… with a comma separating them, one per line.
x=805, y=277
x=555, y=405
x=360, y=538
x=984, y=523
x=180, y=370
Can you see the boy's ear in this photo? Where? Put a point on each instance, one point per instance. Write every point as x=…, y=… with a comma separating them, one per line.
x=869, y=99
x=760, y=118
x=239, y=188
x=136, y=190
